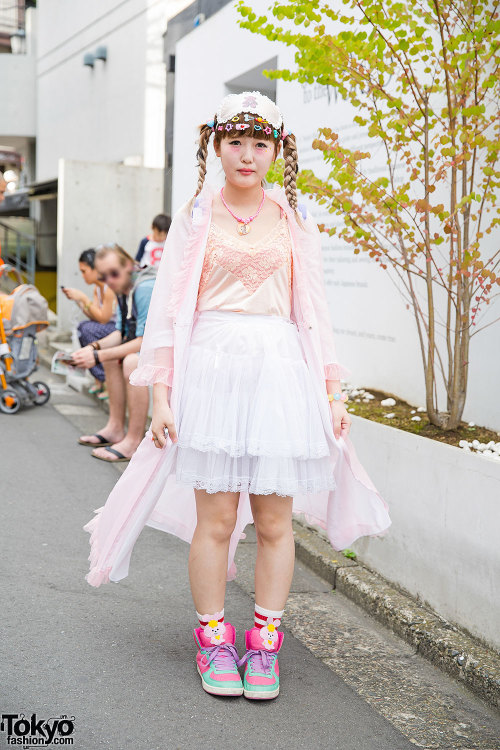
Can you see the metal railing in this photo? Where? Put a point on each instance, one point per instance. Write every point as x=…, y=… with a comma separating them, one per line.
x=18, y=249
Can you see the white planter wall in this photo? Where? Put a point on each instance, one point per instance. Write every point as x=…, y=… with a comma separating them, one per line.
x=444, y=542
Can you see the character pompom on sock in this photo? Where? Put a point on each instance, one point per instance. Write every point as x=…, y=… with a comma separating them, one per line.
x=269, y=634
x=213, y=626
x=264, y=617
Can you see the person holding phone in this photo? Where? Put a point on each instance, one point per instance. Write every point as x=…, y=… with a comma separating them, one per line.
x=100, y=311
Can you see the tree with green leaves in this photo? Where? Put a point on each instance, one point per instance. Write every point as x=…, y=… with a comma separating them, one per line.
x=423, y=77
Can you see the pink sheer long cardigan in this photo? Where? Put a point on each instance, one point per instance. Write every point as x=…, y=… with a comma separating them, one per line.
x=147, y=493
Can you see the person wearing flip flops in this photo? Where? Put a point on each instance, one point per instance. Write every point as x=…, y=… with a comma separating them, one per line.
x=119, y=354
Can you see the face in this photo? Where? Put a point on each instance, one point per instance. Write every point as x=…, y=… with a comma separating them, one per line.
x=113, y=273
x=89, y=274
x=245, y=159
x=3, y=188
x=158, y=236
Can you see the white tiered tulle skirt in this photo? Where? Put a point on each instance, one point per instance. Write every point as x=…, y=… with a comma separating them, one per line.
x=248, y=416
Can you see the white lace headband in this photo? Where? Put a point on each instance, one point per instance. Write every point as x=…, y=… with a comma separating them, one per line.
x=268, y=113
x=249, y=101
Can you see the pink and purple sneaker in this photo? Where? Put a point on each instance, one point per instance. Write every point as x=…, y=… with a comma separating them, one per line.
x=217, y=659
x=261, y=678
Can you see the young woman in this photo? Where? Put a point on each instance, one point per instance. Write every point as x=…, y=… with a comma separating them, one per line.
x=249, y=421
x=99, y=311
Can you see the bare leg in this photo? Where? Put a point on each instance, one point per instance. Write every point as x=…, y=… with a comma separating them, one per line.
x=114, y=428
x=216, y=519
x=275, y=549
x=138, y=402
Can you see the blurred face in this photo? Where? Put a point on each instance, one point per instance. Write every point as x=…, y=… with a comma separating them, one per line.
x=245, y=159
x=113, y=273
x=158, y=236
x=3, y=188
x=89, y=274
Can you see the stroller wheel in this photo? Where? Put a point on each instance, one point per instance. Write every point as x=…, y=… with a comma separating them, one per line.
x=9, y=401
x=43, y=392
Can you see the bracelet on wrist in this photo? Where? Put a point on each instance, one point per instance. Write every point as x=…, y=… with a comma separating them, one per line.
x=95, y=345
x=96, y=357
x=337, y=396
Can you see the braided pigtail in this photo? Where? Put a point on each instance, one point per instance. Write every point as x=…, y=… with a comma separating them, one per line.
x=290, y=173
x=201, y=156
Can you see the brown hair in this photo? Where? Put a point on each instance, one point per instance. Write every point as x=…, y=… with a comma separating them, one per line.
x=161, y=223
x=289, y=151
x=102, y=250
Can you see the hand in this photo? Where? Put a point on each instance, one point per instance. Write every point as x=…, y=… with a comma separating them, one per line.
x=84, y=357
x=162, y=417
x=74, y=294
x=341, y=419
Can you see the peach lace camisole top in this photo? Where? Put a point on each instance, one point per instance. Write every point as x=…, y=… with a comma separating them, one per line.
x=247, y=277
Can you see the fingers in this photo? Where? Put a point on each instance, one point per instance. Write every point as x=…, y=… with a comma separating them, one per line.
x=159, y=437
x=341, y=424
x=172, y=431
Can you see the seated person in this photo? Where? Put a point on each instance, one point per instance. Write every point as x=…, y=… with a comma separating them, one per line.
x=99, y=310
x=119, y=353
x=151, y=247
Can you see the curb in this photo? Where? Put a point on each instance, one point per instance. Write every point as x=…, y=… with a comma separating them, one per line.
x=442, y=643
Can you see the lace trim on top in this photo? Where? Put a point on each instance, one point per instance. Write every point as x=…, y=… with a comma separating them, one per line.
x=252, y=263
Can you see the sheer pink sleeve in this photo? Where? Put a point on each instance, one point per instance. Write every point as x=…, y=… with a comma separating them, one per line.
x=333, y=369
x=156, y=357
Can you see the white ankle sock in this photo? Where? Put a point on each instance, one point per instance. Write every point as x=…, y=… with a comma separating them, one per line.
x=262, y=615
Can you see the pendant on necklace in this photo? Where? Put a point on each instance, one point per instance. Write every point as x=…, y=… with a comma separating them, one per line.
x=243, y=228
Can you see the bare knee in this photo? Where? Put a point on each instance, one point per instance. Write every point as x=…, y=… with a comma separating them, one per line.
x=130, y=362
x=271, y=526
x=218, y=526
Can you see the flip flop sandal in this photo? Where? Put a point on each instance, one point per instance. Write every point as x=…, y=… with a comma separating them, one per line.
x=94, y=389
x=101, y=444
x=120, y=458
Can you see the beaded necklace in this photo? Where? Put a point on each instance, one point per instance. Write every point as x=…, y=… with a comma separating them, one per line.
x=243, y=224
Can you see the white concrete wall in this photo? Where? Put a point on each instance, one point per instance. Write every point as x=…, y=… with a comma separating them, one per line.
x=17, y=108
x=84, y=113
x=100, y=203
x=17, y=86
x=443, y=544
x=114, y=112
x=376, y=334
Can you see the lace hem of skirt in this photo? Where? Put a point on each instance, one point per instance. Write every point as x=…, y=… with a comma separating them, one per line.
x=261, y=487
x=269, y=449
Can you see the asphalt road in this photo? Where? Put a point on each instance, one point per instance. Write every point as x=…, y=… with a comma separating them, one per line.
x=120, y=659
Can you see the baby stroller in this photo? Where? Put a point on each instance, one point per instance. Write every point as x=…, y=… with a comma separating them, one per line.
x=23, y=313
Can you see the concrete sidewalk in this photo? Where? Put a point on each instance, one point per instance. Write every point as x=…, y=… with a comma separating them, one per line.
x=121, y=658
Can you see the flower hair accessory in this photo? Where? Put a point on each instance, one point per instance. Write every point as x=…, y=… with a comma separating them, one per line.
x=253, y=102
